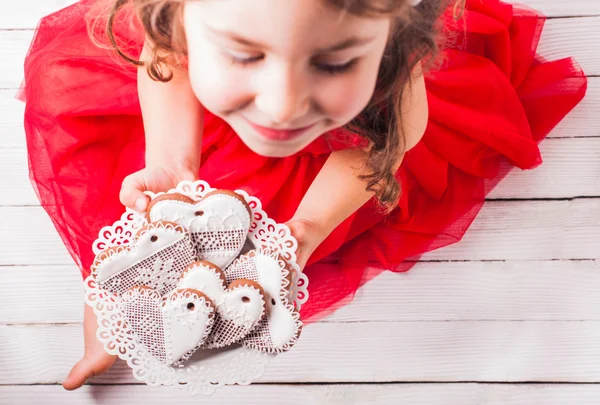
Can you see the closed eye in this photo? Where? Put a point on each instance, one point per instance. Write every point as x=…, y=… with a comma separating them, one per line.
x=242, y=59
x=335, y=69
x=327, y=68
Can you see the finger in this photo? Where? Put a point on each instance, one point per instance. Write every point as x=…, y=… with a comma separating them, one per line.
x=87, y=368
x=132, y=193
x=78, y=375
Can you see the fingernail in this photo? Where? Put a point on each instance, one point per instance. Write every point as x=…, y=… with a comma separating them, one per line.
x=140, y=204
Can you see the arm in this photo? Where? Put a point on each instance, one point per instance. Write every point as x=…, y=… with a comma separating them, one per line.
x=173, y=122
x=173, y=118
x=317, y=217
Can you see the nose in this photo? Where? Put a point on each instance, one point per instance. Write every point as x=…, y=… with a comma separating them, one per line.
x=284, y=95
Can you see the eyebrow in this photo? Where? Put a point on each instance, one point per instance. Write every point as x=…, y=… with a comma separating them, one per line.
x=345, y=44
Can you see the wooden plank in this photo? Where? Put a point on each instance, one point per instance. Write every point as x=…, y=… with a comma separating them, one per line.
x=472, y=291
x=581, y=122
x=25, y=14
x=571, y=168
x=16, y=189
x=532, y=230
x=30, y=238
x=504, y=230
x=431, y=291
x=372, y=394
x=11, y=120
x=578, y=298
x=482, y=351
x=553, y=8
x=13, y=48
x=40, y=285
x=573, y=37
x=562, y=37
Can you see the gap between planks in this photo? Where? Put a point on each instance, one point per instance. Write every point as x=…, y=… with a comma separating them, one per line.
x=309, y=394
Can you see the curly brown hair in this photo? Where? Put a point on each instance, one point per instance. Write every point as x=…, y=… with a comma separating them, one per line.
x=415, y=37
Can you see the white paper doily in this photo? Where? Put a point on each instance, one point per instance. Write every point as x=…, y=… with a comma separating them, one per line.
x=206, y=370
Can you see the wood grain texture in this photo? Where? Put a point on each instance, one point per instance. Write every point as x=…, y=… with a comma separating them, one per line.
x=579, y=123
x=431, y=291
x=13, y=48
x=571, y=169
x=26, y=14
x=484, y=351
x=582, y=121
x=557, y=8
x=573, y=37
x=515, y=301
x=504, y=230
x=562, y=37
x=350, y=394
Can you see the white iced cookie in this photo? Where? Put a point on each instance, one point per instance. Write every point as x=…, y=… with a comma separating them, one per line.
x=157, y=256
x=280, y=328
x=218, y=224
x=171, y=328
x=240, y=305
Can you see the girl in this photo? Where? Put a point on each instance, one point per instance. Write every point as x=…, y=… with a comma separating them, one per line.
x=317, y=107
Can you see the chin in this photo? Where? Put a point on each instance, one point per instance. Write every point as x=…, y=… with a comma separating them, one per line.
x=272, y=150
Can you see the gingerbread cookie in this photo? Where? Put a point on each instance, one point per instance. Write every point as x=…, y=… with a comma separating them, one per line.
x=240, y=305
x=171, y=327
x=280, y=328
x=218, y=224
x=156, y=258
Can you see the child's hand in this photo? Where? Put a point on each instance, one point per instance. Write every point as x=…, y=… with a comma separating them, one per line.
x=155, y=179
x=309, y=236
x=95, y=360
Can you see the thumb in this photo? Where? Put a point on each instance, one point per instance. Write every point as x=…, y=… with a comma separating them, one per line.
x=85, y=369
x=132, y=193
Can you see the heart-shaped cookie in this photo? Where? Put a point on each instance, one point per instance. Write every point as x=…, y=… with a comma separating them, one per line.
x=171, y=327
x=218, y=224
x=156, y=258
x=280, y=328
x=240, y=305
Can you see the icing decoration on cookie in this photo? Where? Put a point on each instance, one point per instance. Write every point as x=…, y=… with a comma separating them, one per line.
x=218, y=223
x=280, y=328
x=171, y=328
x=240, y=305
x=156, y=258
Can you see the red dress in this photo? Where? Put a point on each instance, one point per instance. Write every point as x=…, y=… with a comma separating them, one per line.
x=491, y=100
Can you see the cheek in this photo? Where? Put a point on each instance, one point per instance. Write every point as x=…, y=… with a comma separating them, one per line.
x=218, y=86
x=347, y=96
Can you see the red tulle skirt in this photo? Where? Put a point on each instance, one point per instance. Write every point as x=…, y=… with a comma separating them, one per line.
x=491, y=100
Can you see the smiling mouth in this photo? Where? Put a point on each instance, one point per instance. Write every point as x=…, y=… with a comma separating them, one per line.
x=280, y=134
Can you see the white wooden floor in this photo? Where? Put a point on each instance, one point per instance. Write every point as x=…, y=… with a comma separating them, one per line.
x=510, y=315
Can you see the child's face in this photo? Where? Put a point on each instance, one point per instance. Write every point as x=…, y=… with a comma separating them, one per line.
x=282, y=72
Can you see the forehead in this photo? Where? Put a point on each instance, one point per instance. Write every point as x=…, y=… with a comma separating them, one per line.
x=296, y=23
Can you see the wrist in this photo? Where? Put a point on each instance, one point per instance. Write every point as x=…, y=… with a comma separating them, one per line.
x=185, y=165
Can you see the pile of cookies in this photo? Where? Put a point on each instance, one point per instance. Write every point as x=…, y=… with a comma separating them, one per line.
x=184, y=284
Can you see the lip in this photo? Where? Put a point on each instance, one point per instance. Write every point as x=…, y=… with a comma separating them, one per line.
x=280, y=134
